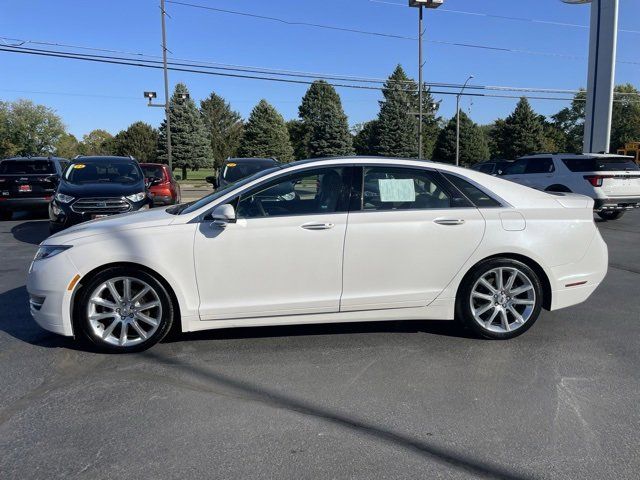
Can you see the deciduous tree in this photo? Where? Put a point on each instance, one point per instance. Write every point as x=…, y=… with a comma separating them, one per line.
x=140, y=140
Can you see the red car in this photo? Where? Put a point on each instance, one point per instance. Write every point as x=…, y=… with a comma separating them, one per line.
x=163, y=187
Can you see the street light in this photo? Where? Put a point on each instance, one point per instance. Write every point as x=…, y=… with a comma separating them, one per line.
x=458, y=120
x=419, y=4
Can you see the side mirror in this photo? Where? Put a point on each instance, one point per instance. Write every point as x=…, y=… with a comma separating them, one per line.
x=213, y=180
x=147, y=182
x=222, y=215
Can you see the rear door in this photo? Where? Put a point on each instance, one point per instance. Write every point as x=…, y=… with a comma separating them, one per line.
x=410, y=236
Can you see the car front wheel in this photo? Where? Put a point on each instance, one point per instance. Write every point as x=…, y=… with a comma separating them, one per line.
x=124, y=310
x=500, y=298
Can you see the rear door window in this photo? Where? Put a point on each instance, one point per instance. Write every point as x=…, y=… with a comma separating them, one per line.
x=539, y=165
x=487, y=168
x=518, y=167
x=602, y=164
x=476, y=195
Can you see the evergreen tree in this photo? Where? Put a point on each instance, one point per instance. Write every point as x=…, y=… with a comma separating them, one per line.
x=224, y=127
x=365, y=138
x=473, y=144
x=297, y=137
x=140, y=140
x=190, y=146
x=265, y=135
x=326, y=129
x=397, y=126
x=521, y=133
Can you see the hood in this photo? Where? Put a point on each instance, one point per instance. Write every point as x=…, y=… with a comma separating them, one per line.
x=124, y=221
x=88, y=190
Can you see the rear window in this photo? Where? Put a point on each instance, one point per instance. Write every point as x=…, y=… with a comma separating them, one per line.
x=233, y=171
x=152, y=171
x=602, y=164
x=473, y=193
x=27, y=167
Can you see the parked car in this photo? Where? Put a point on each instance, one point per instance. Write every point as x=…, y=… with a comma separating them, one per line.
x=235, y=169
x=28, y=183
x=613, y=181
x=435, y=241
x=97, y=187
x=493, y=167
x=164, y=188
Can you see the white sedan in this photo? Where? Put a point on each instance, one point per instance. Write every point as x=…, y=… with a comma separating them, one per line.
x=318, y=241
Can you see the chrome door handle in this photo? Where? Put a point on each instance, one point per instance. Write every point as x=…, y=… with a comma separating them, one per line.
x=448, y=221
x=318, y=226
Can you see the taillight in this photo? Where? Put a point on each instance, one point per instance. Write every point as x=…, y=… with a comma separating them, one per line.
x=596, y=180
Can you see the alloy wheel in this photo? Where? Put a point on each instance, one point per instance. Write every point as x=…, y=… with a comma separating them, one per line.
x=502, y=300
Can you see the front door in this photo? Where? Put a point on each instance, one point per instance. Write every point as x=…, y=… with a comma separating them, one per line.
x=283, y=256
x=410, y=238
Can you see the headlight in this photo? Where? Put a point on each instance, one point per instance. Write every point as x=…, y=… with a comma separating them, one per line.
x=62, y=198
x=48, y=251
x=136, y=197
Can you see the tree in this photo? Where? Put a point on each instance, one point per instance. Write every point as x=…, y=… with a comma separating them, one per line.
x=223, y=125
x=190, y=146
x=473, y=144
x=326, y=129
x=365, y=137
x=397, y=127
x=67, y=146
x=297, y=139
x=97, y=142
x=28, y=129
x=140, y=140
x=625, y=121
x=265, y=135
x=521, y=133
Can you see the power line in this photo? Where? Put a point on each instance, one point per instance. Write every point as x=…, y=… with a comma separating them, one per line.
x=147, y=64
x=388, y=35
x=289, y=73
x=505, y=17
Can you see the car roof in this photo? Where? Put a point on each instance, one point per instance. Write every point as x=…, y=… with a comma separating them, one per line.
x=251, y=160
x=94, y=158
x=33, y=158
x=575, y=155
x=151, y=164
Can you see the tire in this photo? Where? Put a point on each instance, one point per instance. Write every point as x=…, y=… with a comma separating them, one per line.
x=558, y=188
x=611, y=215
x=6, y=214
x=101, y=322
x=499, y=313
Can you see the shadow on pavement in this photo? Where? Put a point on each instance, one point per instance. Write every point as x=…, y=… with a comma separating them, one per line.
x=280, y=400
x=32, y=232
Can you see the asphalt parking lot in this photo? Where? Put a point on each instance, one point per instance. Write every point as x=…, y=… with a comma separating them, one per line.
x=374, y=400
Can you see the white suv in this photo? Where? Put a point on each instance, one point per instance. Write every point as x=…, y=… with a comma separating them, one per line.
x=613, y=181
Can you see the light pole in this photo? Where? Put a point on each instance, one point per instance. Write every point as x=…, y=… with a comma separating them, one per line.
x=152, y=95
x=458, y=120
x=601, y=77
x=419, y=4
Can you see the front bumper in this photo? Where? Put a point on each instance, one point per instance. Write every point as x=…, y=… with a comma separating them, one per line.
x=616, y=203
x=49, y=297
x=62, y=216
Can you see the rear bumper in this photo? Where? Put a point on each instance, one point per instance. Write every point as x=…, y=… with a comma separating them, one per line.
x=163, y=200
x=616, y=203
x=15, y=204
x=575, y=282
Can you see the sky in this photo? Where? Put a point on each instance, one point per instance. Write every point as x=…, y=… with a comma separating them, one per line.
x=90, y=95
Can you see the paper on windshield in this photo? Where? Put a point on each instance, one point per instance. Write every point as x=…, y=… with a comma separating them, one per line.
x=397, y=190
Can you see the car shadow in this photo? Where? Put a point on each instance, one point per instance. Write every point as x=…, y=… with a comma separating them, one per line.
x=32, y=232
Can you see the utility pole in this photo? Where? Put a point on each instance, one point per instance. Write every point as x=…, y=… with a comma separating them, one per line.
x=419, y=4
x=458, y=120
x=167, y=111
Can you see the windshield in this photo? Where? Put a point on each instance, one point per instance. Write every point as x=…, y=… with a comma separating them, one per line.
x=103, y=171
x=195, y=205
x=234, y=171
x=27, y=167
x=600, y=164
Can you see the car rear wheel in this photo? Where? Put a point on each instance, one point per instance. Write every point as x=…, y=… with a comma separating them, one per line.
x=124, y=310
x=500, y=298
x=611, y=215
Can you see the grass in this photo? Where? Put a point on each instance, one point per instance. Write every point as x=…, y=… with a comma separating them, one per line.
x=195, y=176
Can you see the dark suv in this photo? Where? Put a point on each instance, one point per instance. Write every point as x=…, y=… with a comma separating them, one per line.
x=28, y=183
x=96, y=187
